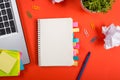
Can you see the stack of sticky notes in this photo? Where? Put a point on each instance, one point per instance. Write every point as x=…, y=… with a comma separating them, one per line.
x=10, y=63
x=75, y=43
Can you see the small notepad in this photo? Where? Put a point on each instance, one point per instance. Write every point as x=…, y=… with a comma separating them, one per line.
x=55, y=42
x=9, y=63
x=6, y=62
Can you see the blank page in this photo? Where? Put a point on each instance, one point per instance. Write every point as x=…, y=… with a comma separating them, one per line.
x=55, y=42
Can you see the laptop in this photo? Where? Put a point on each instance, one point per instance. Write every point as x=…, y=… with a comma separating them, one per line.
x=11, y=33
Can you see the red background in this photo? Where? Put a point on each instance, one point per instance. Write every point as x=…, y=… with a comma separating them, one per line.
x=102, y=65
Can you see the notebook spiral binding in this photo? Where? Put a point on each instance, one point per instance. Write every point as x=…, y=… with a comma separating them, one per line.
x=38, y=41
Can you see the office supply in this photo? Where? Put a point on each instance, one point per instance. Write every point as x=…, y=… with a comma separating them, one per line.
x=75, y=24
x=75, y=40
x=75, y=58
x=75, y=29
x=35, y=7
x=21, y=62
x=55, y=42
x=6, y=62
x=21, y=65
x=93, y=39
x=77, y=46
x=86, y=32
x=83, y=66
x=11, y=33
x=14, y=62
x=29, y=14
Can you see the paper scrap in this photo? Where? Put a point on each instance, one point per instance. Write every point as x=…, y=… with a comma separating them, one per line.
x=6, y=62
x=56, y=1
x=112, y=36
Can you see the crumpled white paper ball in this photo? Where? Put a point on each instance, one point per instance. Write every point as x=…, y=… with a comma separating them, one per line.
x=57, y=1
x=112, y=36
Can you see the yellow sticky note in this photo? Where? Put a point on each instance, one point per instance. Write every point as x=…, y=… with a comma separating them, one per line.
x=6, y=62
x=75, y=29
x=74, y=43
x=75, y=63
x=13, y=65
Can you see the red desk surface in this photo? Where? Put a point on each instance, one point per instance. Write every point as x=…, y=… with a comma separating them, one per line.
x=102, y=65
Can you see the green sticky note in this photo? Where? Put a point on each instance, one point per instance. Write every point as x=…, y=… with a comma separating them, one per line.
x=12, y=66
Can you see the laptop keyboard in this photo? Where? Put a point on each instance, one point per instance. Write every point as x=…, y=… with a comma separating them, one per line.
x=7, y=22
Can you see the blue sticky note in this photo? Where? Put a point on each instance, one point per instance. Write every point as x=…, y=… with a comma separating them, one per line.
x=75, y=40
x=21, y=65
x=75, y=58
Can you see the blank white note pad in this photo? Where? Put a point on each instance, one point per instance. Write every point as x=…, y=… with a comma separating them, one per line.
x=55, y=42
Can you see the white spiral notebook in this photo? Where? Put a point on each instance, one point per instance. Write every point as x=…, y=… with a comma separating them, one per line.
x=55, y=42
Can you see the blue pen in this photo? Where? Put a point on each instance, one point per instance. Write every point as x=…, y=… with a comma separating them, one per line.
x=83, y=66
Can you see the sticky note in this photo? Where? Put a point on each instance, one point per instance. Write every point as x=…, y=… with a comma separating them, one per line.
x=75, y=29
x=16, y=68
x=6, y=62
x=74, y=53
x=74, y=43
x=75, y=40
x=75, y=63
x=76, y=50
x=76, y=47
x=21, y=65
x=75, y=24
x=75, y=58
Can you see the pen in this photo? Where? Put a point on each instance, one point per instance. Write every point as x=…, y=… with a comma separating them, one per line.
x=83, y=66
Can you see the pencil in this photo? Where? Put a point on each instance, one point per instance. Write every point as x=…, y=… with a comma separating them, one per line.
x=83, y=66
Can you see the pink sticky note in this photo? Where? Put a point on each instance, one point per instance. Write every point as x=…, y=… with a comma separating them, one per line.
x=74, y=53
x=75, y=24
x=77, y=46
